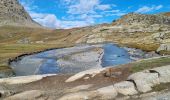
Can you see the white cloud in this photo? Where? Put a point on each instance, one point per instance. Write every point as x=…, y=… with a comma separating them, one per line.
x=50, y=20
x=103, y=7
x=146, y=9
x=116, y=14
x=83, y=7
x=79, y=13
x=113, y=11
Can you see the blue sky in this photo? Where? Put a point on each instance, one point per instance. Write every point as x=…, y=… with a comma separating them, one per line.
x=78, y=13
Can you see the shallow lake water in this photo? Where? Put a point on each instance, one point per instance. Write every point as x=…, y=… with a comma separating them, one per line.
x=46, y=62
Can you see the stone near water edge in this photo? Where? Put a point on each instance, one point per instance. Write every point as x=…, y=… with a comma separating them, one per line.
x=126, y=88
x=144, y=80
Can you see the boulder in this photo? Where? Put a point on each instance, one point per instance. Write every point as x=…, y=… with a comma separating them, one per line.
x=164, y=73
x=125, y=88
x=27, y=95
x=144, y=80
x=107, y=93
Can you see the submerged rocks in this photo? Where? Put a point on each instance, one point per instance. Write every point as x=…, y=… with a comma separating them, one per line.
x=144, y=80
x=126, y=88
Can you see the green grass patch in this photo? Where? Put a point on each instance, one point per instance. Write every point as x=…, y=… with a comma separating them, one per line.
x=149, y=64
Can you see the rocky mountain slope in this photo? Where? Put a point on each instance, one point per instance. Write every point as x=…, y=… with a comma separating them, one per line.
x=147, y=32
x=12, y=13
x=134, y=18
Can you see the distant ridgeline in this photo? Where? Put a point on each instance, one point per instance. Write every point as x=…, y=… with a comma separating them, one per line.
x=13, y=13
x=134, y=18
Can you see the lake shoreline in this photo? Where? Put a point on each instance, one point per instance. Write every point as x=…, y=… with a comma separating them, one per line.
x=133, y=53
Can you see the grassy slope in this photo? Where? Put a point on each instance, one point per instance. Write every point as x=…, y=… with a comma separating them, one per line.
x=10, y=35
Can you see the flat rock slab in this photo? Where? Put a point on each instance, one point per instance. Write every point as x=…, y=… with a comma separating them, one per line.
x=23, y=79
x=79, y=96
x=80, y=88
x=126, y=88
x=91, y=72
x=144, y=80
x=107, y=93
x=27, y=95
x=164, y=73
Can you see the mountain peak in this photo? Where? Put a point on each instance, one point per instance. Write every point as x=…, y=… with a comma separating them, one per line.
x=13, y=13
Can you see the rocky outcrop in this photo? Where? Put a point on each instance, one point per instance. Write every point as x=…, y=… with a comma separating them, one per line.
x=131, y=88
x=12, y=13
x=134, y=18
x=140, y=82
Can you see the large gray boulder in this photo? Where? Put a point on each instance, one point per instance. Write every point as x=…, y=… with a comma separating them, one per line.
x=125, y=88
x=164, y=73
x=144, y=80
